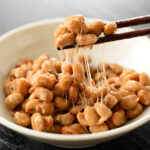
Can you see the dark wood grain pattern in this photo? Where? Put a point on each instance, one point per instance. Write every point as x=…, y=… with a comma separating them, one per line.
x=14, y=13
x=133, y=21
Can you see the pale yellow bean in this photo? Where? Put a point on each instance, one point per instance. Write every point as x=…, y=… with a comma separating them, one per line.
x=98, y=128
x=131, y=76
x=61, y=29
x=77, y=27
x=118, y=118
x=134, y=112
x=86, y=39
x=128, y=102
x=61, y=88
x=68, y=130
x=144, y=97
x=110, y=101
x=78, y=72
x=80, y=129
x=65, y=40
x=31, y=105
x=21, y=86
x=42, y=94
x=91, y=116
x=48, y=123
x=81, y=119
x=144, y=79
x=65, y=119
x=103, y=111
x=22, y=118
x=132, y=86
x=110, y=28
x=73, y=94
x=19, y=72
x=37, y=122
x=74, y=129
x=74, y=26
x=14, y=100
x=47, y=66
x=66, y=81
x=61, y=103
x=46, y=108
x=45, y=80
x=96, y=27
x=58, y=90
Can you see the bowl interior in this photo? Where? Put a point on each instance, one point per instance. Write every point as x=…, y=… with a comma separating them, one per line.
x=32, y=40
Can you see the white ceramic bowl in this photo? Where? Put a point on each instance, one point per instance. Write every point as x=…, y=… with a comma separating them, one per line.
x=31, y=40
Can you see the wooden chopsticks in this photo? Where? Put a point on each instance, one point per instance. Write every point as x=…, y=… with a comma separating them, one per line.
x=133, y=21
x=122, y=36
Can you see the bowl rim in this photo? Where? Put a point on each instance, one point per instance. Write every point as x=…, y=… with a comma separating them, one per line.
x=60, y=137
x=82, y=137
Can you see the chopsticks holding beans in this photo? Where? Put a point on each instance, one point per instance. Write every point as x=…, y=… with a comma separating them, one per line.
x=115, y=37
x=120, y=36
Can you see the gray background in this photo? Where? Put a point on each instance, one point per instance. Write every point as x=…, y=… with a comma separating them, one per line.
x=14, y=13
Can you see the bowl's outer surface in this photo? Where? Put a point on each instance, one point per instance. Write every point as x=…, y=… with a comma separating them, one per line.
x=31, y=40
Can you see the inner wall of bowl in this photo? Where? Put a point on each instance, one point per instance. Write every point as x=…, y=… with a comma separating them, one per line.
x=35, y=40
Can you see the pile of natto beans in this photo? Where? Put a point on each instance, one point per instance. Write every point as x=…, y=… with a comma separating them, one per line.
x=74, y=30
x=55, y=96
x=41, y=97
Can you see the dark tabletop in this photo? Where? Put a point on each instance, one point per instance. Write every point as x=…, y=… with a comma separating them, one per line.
x=14, y=13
